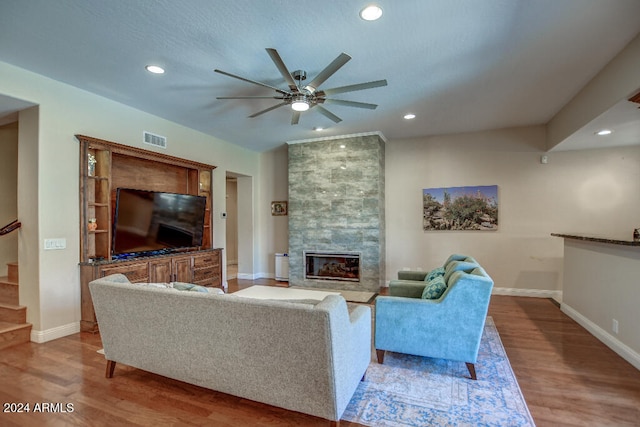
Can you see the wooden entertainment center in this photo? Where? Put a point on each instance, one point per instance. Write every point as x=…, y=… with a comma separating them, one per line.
x=106, y=166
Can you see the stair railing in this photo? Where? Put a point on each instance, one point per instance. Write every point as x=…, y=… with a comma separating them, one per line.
x=14, y=225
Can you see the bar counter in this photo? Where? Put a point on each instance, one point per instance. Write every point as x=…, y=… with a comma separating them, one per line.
x=601, y=290
x=599, y=239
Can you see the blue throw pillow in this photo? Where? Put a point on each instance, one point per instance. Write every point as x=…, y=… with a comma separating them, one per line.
x=434, y=273
x=435, y=288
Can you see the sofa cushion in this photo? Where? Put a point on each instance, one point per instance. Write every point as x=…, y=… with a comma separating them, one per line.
x=118, y=278
x=153, y=285
x=434, y=273
x=453, y=266
x=435, y=288
x=454, y=257
x=182, y=286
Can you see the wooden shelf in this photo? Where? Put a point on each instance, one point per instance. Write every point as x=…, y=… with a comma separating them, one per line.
x=120, y=166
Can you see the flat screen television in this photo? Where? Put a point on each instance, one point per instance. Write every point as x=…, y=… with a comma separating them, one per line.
x=151, y=222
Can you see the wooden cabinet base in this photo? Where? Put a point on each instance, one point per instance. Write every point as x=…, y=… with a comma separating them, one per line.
x=199, y=267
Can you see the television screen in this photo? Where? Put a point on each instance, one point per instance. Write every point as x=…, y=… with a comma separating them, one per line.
x=148, y=222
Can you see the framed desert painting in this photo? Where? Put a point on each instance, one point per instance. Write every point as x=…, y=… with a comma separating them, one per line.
x=460, y=208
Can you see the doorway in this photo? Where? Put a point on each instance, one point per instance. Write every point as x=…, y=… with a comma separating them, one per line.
x=232, y=226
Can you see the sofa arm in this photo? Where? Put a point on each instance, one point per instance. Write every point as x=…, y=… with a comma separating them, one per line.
x=412, y=275
x=406, y=288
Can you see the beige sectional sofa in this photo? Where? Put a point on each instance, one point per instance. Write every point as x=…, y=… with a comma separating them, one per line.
x=303, y=357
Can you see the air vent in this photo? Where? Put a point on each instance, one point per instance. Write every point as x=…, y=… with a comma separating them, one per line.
x=157, y=140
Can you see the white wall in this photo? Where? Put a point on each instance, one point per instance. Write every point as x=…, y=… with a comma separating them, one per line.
x=275, y=229
x=592, y=192
x=618, y=80
x=9, y=192
x=64, y=111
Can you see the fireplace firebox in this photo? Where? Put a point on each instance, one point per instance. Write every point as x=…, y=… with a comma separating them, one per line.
x=341, y=266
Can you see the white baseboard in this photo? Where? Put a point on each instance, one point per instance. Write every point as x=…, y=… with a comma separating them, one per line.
x=609, y=340
x=535, y=293
x=55, y=333
x=254, y=276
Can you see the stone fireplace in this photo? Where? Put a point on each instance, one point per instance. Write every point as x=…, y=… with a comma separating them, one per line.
x=336, y=212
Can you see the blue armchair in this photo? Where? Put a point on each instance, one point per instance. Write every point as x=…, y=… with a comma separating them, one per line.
x=449, y=327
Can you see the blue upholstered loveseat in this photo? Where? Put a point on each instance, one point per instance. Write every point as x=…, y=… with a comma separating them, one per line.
x=447, y=327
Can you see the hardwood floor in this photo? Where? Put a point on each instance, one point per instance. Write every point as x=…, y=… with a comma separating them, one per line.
x=567, y=377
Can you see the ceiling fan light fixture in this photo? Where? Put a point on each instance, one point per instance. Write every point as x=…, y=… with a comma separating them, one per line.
x=371, y=12
x=300, y=103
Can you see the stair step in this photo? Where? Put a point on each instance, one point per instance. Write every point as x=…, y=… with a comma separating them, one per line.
x=13, y=334
x=13, y=313
x=12, y=271
x=9, y=293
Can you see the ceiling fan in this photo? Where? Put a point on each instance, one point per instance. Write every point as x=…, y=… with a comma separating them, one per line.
x=302, y=97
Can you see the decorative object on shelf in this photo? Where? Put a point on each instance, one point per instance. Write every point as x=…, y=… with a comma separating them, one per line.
x=92, y=164
x=92, y=225
x=636, y=235
x=278, y=208
x=205, y=181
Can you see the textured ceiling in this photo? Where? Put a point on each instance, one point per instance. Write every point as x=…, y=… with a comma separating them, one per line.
x=459, y=65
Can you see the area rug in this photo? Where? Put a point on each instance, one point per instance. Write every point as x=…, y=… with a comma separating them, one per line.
x=419, y=391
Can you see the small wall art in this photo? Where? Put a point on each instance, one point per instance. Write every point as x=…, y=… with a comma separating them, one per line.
x=278, y=208
x=460, y=208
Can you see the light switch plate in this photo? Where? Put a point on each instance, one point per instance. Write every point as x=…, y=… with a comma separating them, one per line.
x=55, y=244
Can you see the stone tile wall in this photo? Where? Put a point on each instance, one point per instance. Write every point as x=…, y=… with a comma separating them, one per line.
x=336, y=203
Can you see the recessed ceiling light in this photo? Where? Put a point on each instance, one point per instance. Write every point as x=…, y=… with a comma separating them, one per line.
x=409, y=116
x=155, y=69
x=604, y=132
x=371, y=13
x=318, y=128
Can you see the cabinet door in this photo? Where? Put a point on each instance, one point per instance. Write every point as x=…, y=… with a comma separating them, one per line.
x=160, y=271
x=135, y=271
x=182, y=270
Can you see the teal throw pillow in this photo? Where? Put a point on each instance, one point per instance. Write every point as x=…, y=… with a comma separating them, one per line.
x=434, y=273
x=435, y=288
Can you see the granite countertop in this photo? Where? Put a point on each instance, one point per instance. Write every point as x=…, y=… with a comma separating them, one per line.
x=146, y=257
x=598, y=239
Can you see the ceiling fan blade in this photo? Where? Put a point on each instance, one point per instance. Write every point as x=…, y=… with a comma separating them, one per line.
x=268, y=109
x=337, y=63
x=328, y=114
x=353, y=88
x=252, y=81
x=351, y=104
x=295, y=118
x=249, y=97
x=275, y=57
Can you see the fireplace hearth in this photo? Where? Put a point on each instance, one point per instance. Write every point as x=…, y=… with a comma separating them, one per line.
x=332, y=266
